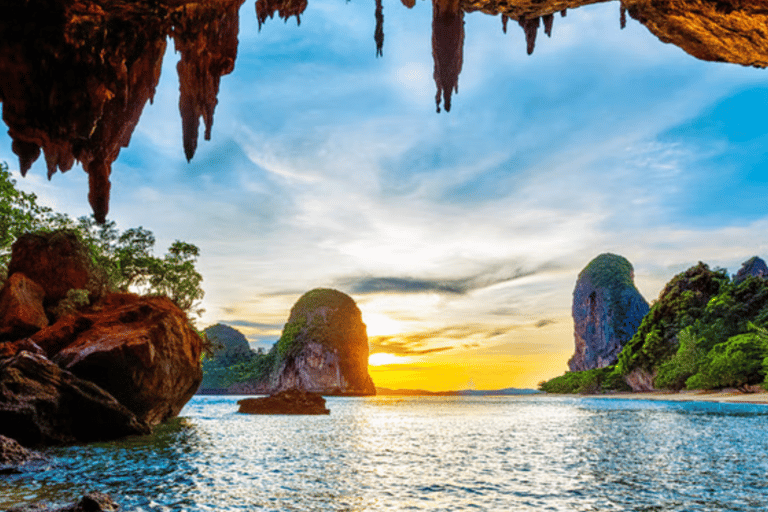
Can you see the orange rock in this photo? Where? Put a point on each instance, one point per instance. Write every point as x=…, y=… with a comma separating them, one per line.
x=142, y=350
x=21, y=307
x=56, y=261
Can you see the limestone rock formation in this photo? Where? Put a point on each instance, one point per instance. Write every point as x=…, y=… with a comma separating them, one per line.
x=447, y=49
x=754, y=266
x=42, y=404
x=78, y=73
x=607, y=310
x=290, y=401
x=724, y=31
x=324, y=347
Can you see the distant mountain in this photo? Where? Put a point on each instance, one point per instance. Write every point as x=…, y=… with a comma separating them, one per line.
x=463, y=392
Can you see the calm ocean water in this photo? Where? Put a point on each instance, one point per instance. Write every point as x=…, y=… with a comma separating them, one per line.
x=531, y=453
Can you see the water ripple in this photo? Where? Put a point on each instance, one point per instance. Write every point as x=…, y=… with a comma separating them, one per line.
x=427, y=454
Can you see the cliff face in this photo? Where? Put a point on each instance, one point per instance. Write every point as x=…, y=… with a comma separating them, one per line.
x=607, y=310
x=324, y=347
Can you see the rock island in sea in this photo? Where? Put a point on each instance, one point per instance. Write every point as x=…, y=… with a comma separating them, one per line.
x=323, y=349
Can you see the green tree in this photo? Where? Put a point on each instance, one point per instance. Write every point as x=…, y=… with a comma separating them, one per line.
x=126, y=257
x=737, y=362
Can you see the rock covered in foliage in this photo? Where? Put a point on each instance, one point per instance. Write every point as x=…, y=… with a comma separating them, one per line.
x=91, y=502
x=754, y=266
x=682, y=301
x=607, y=310
x=289, y=401
x=42, y=404
x=116, y=366
x=227, y=342
x=324, y=347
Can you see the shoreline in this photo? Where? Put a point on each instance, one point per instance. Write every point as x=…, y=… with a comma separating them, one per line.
x=726, y=395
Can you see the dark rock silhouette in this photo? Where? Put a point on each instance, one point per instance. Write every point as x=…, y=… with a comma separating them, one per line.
x=754, y=266
x=41, y=404
x=228, y=343
x=206, y=37
x=607, y=310
x=290, y=401
x=324, y=347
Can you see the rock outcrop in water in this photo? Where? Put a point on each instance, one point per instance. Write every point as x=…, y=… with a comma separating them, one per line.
x=324, y=347
x=113, y=368
x=607, y=310
x=290, y=401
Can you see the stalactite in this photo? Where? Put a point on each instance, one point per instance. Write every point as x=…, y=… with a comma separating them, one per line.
x=378, y=35
x=623, y=16
x=408, y=3
x=548, y=19
x=504, y=20
x=563, y=13
x=77, y=92
x=206, y=37
x=285, y=9
x=447, y=49
x=530, y=27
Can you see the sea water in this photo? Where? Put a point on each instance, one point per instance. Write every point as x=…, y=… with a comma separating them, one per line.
x=527, y=453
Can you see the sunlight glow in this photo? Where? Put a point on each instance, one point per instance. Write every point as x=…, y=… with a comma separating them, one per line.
x=378, y=324
x=382, y=358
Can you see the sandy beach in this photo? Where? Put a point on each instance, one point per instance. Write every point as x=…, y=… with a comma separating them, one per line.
x=726, y=395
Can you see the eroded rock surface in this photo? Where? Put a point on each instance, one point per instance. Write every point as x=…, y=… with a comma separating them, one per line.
x=607, y=310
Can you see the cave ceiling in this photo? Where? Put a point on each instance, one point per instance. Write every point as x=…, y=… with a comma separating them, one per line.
x=76, y=75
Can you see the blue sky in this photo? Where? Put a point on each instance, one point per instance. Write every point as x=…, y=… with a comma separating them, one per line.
x=459, y=234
